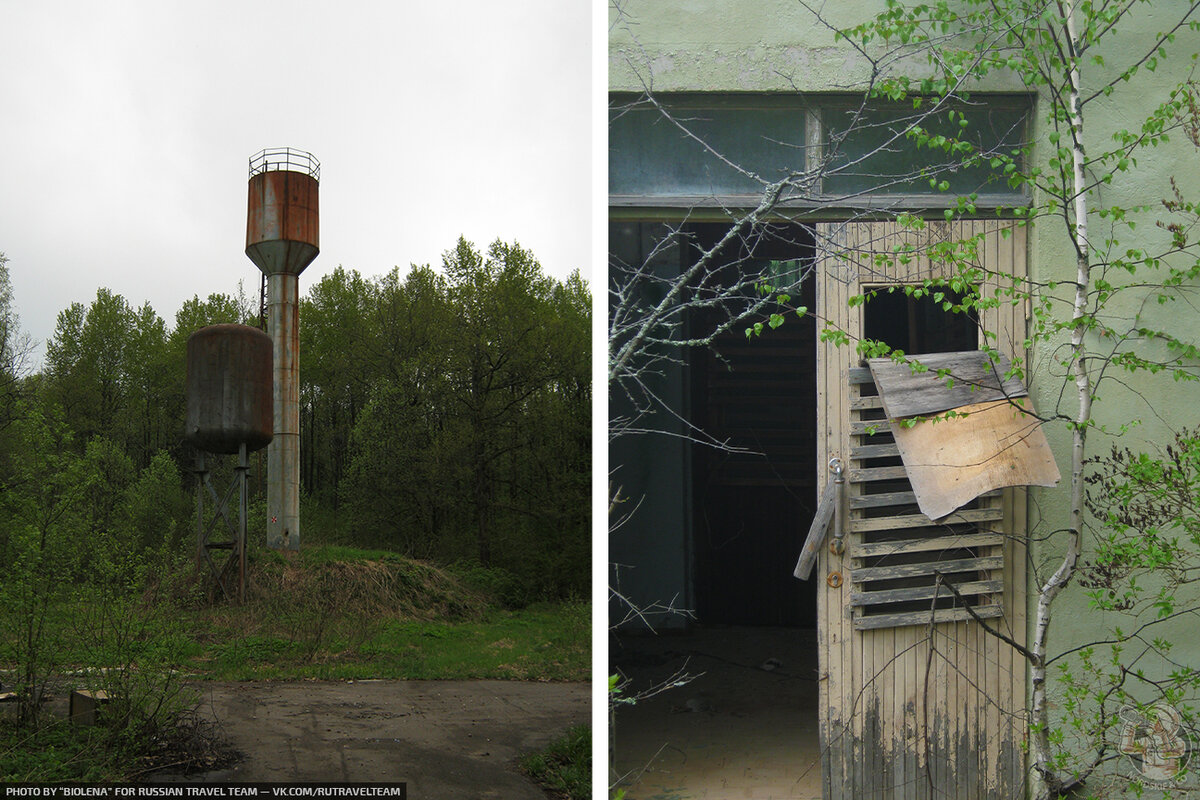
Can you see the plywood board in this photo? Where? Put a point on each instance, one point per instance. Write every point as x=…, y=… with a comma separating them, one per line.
x=972, y=378
x=952, y=461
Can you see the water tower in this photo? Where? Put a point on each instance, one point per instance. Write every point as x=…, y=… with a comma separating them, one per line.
x=229, y=410
x=282, y=239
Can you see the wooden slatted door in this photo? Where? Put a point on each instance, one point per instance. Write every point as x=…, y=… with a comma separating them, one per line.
x=917, y=699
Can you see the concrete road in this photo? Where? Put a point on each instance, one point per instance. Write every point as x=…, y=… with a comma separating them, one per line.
x=746, y=726
x=445, y=739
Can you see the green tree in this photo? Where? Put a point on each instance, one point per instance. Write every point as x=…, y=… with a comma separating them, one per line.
x=82, y=536
x=15, y=347
x=555, y=477
x=194, y=314
x=113, y=473
x=399, y=469
x=336, y=376
x=158, y=508
x=43, y=534
x=398, y=485
x=152, y=411
x=87, y=362
x=409, y=326
x=499, y=364
x=472, y=443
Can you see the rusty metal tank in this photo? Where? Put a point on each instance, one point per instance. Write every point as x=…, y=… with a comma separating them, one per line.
x=230, y=373
x=283, y=220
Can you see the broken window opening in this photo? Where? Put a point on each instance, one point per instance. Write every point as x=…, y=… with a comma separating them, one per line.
x=918, y=324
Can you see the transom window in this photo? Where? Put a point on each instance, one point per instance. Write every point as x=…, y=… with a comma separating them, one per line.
x=724, y=149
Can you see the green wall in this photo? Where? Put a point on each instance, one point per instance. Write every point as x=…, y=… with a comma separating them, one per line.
x=722, y=46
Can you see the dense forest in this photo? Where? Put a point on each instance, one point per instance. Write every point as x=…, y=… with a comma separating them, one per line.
x=445, y=415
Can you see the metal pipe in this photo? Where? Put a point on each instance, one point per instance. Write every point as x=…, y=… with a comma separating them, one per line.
x=243, y=470
x=200, y=472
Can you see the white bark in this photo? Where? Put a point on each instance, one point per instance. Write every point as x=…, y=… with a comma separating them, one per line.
x=1052, y=782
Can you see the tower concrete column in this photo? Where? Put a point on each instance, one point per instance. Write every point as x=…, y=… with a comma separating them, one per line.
x=283, y=453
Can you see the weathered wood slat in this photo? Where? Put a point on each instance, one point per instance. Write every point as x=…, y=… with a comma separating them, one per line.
x=973, y=379
x=883, y=500
x=876, y=474
x=866, y=403
x=927, y=544
x=922, y=521
x=924, y=593
x=817, y=531
x=886, y=499
x=874, y=451
x=859, y=376
x=870, y=427
x=922, y=618
x=894, y=571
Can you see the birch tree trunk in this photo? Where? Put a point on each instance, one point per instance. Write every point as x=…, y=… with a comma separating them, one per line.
x=1053, y=783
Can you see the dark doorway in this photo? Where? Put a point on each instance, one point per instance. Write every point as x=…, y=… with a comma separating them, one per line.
x=753, y=500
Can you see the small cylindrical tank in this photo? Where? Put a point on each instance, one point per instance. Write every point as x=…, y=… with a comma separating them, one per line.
x=283, y=213
x=230, y=373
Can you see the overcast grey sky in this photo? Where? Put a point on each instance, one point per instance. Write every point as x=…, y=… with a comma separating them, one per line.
x=125, y=129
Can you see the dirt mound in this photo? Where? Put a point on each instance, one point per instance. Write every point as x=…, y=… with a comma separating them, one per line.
x=388, y=586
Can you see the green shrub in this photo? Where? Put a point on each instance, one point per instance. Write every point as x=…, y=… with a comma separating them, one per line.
x=564, y=767
x=500, y=584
